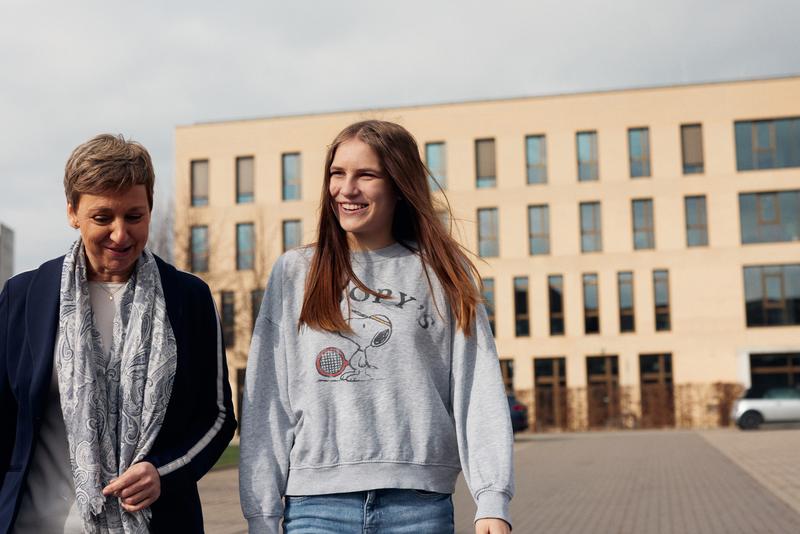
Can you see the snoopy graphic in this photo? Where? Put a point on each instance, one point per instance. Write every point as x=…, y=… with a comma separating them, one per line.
x=368, y=332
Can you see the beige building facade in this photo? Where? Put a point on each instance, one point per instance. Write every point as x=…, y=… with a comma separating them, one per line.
x=639, y=247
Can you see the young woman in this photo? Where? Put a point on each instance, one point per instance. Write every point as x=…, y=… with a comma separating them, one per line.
x=373, y=377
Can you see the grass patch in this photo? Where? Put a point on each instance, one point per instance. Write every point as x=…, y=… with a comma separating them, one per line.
x=229, y=458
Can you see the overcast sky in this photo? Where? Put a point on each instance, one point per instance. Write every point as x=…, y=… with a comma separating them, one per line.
x=73, y=69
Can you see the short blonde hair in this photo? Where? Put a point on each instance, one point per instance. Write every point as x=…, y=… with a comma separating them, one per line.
x=108, y=163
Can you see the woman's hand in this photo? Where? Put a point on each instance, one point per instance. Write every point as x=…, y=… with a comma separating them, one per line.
x=491, y=526
x=137, y=488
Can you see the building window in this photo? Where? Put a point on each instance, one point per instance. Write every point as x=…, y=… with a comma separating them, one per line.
x=658, y=397
x=290, y=172
x=228, y=319
x=587, y=156
x=692, y=148
x=772, y=295
x=292, y=234
x=603, y=391
x=521, y=318
x=538, y=230
x=507, y=371
x=488, y=300
x=661, y=294
x=435, y=159
x=244, y=180
x=198, y=249
x=591, y=230
x=536, y=159
x=550, y=379
x=488, y=236
x=199, y=179
x=696, y=222
x=639, y=151
x=256, y=297
x=591, y=308
x=555, y=292
x=643, y=231
x=627, y=322
x=767, y=144
x=245, y=246
x=485, y=164
x=770, y=217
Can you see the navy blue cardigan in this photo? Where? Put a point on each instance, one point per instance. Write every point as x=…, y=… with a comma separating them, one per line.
x=199, y=422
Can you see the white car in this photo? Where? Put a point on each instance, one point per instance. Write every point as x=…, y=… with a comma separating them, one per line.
x=775, y=405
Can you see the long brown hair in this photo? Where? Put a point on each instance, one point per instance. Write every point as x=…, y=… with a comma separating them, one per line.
x=415, y=220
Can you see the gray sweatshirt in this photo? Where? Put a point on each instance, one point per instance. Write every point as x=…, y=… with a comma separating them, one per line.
x=405, y=400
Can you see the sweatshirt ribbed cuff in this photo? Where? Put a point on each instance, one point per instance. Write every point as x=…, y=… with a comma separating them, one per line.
x=264, y=524
x=493, y=504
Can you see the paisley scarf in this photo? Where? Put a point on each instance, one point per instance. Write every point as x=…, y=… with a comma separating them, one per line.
x=113, y=404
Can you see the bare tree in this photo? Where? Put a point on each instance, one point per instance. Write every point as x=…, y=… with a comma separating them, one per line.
x=162, y=225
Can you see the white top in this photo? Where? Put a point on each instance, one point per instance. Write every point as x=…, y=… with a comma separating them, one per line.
x=48, y=497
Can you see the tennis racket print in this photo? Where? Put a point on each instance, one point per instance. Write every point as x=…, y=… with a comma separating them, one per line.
x=331, y=362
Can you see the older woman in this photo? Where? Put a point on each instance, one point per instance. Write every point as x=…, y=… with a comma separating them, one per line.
x=113, y=380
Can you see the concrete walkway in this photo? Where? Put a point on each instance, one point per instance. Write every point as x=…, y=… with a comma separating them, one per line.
x=716, y=481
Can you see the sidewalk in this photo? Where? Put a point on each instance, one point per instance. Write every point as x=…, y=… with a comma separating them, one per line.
x=717, y=481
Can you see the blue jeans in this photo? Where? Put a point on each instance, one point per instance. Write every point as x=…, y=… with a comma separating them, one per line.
x=384, y=511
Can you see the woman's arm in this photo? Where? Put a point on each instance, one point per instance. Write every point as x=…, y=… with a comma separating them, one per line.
x=483, y=424
x=200, y=421
x=268, y=421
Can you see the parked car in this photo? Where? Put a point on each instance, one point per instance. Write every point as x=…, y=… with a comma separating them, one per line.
x=519, y=414
x=773, y=405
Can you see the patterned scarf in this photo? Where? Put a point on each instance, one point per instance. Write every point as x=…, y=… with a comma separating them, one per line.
x=113, y=405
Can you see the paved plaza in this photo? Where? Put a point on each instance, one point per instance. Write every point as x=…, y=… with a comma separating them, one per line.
x=713, y=481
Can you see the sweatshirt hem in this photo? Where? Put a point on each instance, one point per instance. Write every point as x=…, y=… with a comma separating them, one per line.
x=346, y=478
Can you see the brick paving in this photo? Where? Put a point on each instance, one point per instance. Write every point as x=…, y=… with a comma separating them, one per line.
x=660, y=482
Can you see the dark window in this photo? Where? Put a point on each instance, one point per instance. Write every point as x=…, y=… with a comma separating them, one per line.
x=521, y=318
x=772, y=295
x=550, y=377
x=774, y=371
x=435, y=159
x=536, y=159
x=627, y=322
x=643, y=231
x=538, y=230
x=244, y=180
x=591, y=229
x=770, y=217
x=245, y=246
x=488, y=236
x=696, y=222
x=228, y=319
x=639, y=151
x=555, y=291
x=199, y=179
x=603, y=395
x=256, y=296
x=485, y=164
x=292, y=234
x=488, y=300
x=661, y=293
x=586, y=143
x=591, y=308
x=692, y=148
x=290, y=172
x=198, y=249
x=767, y=144
x=507, y=370
x=658, y=399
